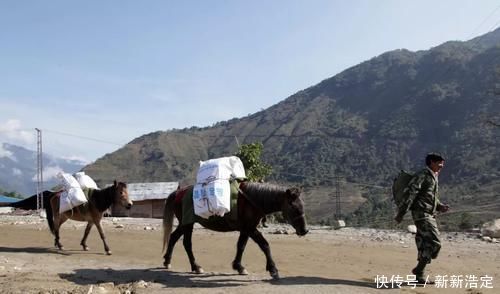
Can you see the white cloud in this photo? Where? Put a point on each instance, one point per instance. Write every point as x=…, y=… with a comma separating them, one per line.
x=81, y=159
x=49, y=173
x=11, y=131
x=6, y=153
x=17, y=172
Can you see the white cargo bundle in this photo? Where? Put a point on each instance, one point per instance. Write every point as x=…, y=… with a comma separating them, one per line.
x=212, y=193
x=237, y=168
x=213, y=198
x=72, y=195
x=223, y=168
x=85, y=181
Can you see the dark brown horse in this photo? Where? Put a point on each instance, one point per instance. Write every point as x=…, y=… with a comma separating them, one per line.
x=255, y=200
x=90, y=212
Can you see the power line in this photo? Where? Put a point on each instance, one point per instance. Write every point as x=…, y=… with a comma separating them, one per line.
x=333, y=177
x=495, y=25
x=83, y=137
x=483, y=21
x=73, y=135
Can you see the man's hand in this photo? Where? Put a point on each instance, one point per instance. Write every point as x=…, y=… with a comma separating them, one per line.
x=443, y=208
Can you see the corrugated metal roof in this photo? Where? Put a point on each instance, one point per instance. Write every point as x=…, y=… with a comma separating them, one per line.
x=8, y=199
x=147, y=191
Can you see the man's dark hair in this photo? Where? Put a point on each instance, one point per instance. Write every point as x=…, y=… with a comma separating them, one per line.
x=433, y=157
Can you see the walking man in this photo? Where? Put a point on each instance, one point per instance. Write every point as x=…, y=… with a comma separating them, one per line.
x=423, y=201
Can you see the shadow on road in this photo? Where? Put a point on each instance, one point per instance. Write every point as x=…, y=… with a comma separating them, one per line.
x=188, y=280
x=155, y=275
x=301, y=280
x=38, y=250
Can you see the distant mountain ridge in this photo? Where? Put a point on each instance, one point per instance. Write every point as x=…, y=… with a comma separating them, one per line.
x=364, y=124
x=18, y=169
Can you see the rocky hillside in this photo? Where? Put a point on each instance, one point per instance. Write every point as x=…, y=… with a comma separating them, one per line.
x=18, y=169
x=363, y=124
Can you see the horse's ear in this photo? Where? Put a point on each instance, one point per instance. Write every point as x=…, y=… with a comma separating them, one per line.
x=292, y=193
x=114, y=183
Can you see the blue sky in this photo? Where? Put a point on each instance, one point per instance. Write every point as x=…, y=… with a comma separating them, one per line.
x=94, y=75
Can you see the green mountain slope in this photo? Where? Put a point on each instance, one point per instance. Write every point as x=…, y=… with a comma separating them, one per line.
x=363, y=124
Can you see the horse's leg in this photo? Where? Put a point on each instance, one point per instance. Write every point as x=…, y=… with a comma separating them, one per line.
x=240, y=247
x=57, y=225
x=85, y=235
x=188, y=246
x=101, y=233
x=56, y=216
x=170, y=249
x=264, y=246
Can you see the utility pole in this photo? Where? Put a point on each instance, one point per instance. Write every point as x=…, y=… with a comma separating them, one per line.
x=338, y=223
x=39, y=170
x=338, y=211
x=494, y=121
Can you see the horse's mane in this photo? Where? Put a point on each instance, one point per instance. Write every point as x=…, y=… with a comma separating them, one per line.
x=263, y=190
x=103, y=199
x=267, y=196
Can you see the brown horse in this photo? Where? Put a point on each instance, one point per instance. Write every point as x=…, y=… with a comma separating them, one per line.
x=255, y=200
x=91, y=212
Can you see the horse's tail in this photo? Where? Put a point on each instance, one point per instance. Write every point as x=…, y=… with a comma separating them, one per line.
x=31, y=203
x=48, y=209
x=168, y=219
x=27, y=203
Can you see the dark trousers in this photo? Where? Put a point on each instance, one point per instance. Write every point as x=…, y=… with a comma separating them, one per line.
x=427, y=239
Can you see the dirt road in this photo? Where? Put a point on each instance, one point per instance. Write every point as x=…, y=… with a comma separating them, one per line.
x=325, y=261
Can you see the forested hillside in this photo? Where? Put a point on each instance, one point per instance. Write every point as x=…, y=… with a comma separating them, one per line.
x=363, y=124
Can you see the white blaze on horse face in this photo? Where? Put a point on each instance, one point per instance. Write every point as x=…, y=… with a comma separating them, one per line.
x=122, y=196
x=126, y=202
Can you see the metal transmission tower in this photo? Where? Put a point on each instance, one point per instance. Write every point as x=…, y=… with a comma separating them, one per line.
x=338, y=211
x=39, y=170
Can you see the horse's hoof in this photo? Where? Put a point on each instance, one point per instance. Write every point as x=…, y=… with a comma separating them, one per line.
x=275, y=275
x=85, y=248
x=243, y=272
x=198, y=271
x=167, y=265
x=108, y=253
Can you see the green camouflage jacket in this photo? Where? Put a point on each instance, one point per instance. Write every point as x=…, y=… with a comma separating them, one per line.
x=423, y=194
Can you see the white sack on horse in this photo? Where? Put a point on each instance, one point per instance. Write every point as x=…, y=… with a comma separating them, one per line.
x=72, y=195
x=223, y=168
x=212, y=192
x=238, y=170
x=213, y=198
x=85, y=181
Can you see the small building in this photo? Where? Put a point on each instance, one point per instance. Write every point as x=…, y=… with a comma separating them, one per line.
x=148, y=199
x=5, y=199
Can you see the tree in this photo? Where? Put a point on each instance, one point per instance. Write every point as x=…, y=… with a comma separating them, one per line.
x=255, y=169
x=465, y=222
x=12, y=194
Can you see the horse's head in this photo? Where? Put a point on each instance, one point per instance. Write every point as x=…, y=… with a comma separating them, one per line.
x=121, y=194
x=293, y=211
